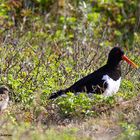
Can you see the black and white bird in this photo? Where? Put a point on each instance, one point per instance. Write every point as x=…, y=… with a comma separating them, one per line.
x=106, y=80
x=4, y=97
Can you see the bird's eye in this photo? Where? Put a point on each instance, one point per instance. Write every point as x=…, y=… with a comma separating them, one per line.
x=117, y=52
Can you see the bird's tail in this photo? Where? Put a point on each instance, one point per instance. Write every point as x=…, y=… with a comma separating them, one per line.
x=57, y=94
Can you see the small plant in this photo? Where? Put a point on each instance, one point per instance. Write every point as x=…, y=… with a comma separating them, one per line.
x=75, y=105
x=81, y=105
x=130, y=131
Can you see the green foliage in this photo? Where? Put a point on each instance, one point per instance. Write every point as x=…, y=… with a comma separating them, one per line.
x=40, y=55
x=75, y=105
x=128, y=85
x=116, y=18
x=45, y=47
x=128, y=90
x=81, y=105
x=130, y=131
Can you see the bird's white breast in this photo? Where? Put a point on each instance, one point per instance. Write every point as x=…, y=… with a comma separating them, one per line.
x=113, y=86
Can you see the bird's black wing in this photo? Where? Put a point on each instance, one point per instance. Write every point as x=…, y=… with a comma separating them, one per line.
x=91, y=83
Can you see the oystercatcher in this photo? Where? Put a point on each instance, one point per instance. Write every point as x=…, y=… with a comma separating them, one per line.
x=106, y=80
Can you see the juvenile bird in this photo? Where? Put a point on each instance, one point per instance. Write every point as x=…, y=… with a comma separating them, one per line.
x=4, y=97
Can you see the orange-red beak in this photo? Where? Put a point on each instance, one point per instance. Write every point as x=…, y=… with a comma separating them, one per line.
x=129, y=61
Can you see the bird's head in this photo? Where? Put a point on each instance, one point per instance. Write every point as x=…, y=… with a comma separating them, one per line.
x=4, y=89
x=116, y=55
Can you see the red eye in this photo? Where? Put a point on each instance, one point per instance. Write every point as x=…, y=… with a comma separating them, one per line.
x=117, y=52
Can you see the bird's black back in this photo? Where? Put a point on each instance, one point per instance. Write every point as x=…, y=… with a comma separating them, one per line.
x=92, y=83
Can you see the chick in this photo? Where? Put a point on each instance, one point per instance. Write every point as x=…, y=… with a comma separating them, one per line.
x=4, y=97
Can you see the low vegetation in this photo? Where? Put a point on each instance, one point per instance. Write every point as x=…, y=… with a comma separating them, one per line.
x=42, y=51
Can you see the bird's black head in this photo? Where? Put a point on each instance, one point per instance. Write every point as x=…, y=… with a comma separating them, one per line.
x=115, y=56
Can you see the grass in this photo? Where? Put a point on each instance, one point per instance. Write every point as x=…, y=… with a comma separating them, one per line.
x=31, y=116
x=38, y=62
x=120, y=122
